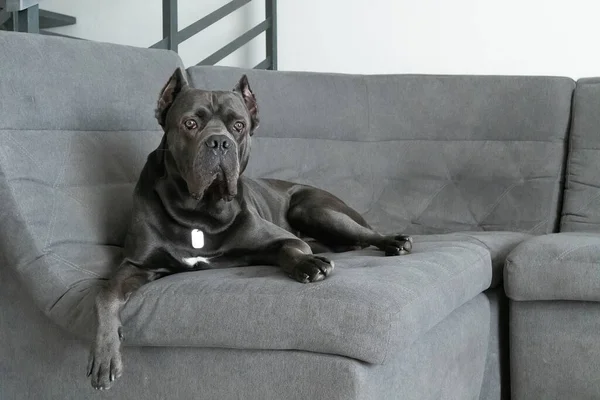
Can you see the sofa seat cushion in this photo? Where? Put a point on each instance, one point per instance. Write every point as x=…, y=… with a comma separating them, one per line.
x=500, y=244
x=561, y=266
x=371, y=306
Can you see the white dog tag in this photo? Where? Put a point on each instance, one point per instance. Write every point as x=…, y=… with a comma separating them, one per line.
x=197, y=239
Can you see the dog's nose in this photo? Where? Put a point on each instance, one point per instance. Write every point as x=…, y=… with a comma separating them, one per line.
x=218, y=142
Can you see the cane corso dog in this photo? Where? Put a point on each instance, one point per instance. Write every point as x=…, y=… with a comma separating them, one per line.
x=193, y=210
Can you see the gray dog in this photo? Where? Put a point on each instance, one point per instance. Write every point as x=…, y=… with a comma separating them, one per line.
x=193, y=210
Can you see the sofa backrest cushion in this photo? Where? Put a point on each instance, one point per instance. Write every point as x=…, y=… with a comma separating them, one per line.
x=417, y=154
x=581, y=207
x=76, y=125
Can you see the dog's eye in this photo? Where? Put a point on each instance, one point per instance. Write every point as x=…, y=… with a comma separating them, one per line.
x=238, y=126
x=190, y=124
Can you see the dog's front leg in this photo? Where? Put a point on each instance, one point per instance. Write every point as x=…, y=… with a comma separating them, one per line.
x=105, y=364
x=295, y=257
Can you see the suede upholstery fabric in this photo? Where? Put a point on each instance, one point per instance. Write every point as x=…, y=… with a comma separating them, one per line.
x=73, y=138
x=418, y=154
x=496, y=378
x=231, y=308
x=415, y=154
x=553, y=281
x=72, y=208
x=40, y=360
x=357, y=313
x=499, y=244
x=562, y=266
x=581, y=210
x=555, y=350
x=51, y=84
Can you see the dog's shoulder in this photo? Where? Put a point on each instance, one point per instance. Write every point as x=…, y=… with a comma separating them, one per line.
x=269, y=197
x=152, y=171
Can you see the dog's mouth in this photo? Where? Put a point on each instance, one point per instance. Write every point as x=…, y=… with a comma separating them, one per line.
x=222, y=183
x=211, y=175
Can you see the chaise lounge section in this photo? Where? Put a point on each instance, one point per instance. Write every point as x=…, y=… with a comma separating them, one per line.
x=553, y=281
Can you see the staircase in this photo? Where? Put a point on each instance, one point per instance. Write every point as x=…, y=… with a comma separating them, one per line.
x=26, y=16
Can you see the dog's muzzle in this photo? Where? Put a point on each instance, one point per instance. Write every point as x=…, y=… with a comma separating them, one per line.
x=217, y=166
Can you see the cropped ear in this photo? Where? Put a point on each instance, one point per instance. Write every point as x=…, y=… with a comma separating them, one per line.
x=169, y=92
x=243, y=87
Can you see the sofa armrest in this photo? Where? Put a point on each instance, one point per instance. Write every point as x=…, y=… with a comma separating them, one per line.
x=561, y=266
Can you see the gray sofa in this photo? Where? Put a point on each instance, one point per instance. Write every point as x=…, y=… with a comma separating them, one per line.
x=482, y=170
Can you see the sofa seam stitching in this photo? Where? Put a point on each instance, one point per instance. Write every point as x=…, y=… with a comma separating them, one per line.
x=52, y=254
x=394, y=316
x=51, y=228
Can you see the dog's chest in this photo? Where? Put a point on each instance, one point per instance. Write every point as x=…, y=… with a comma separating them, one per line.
x=195, y=248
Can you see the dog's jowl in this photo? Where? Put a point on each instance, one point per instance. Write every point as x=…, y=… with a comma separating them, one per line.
x=193, y=209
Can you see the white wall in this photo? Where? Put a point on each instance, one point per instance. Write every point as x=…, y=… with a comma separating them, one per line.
x=139, y=23
x=522, y=37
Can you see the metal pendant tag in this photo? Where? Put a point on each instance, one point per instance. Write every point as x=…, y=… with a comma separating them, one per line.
x=197, y=239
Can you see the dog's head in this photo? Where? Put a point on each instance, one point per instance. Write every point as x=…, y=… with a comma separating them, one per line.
x=208, y=133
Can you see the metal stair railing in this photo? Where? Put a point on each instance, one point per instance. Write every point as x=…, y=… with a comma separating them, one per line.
x=25, y=16
x=172, y=37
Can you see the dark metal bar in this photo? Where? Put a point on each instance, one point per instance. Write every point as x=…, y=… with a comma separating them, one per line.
x=50, y=33
x=26, y=20
x=210, y=19
x=15, y=21
x=264, y=64
x=235, y=44
x=29, y=19
x=161, y=44
x=271, y=35
x=170, y=23
x=49, y=19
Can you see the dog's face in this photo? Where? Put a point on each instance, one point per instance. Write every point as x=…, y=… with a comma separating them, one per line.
x=208, y=133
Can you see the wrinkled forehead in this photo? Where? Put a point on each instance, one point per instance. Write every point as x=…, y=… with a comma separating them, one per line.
x=212, y=101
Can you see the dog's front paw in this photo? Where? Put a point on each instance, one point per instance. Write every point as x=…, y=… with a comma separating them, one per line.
x=105, y=364
x=396, y=245
x=312, y=268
